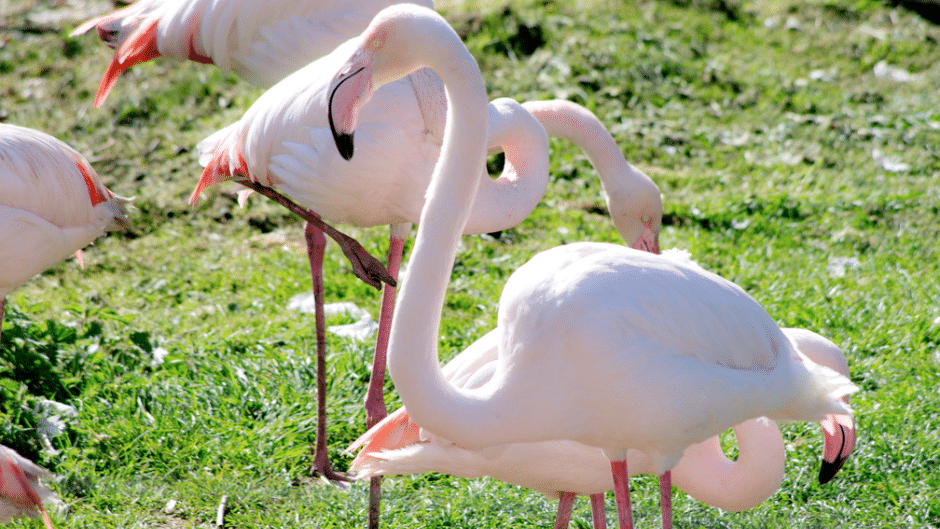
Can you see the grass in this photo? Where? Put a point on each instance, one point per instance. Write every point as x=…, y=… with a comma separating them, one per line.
x=786, y=165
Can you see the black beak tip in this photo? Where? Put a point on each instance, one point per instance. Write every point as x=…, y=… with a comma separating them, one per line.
x=828, y=470
x=344, y=142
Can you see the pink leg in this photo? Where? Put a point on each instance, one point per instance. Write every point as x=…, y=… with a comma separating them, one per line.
x=375, y=400
x=3, y=304
x=375, y=397
x=316, y=243
x=618, y=470
x=565, y=503
x=665, y=495
x=598, y=512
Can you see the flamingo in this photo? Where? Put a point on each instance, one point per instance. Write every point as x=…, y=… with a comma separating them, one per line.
x=609, y=346
x=53, y=204
x=284, y=141
x=21, y=493
x=260, y=41
x=398, y=446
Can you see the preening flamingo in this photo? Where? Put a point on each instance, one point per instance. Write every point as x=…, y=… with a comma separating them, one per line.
x=53, y=204
x=21, y=493
x=398, y=446
x=602, y=344
x=262, y=41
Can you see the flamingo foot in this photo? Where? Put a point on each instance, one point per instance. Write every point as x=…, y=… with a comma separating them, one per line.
x=367, y=268
x=323, y=469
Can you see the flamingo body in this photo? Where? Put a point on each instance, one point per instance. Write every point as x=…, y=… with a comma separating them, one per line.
x=284, y=141
x=398, y=446
x=52, y=206
x=639, y=351
x=21, y=493
x=260, y=41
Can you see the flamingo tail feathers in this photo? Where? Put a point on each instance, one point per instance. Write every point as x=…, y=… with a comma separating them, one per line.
x=219, y=169
x=393, y=432
x=140, y=46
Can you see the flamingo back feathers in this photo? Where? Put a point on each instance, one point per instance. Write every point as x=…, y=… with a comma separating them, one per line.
x=52, y=205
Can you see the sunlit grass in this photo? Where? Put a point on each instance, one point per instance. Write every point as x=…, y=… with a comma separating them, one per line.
x=785, y=163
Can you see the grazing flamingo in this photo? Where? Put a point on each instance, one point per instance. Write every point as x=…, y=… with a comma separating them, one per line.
x=398, y=446
x=21, y=493
x=609, y=346
x=260, y=41
x=53, y=204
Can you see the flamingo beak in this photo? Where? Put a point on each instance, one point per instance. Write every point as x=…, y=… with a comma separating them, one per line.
x=839, y=434
x=351, y=89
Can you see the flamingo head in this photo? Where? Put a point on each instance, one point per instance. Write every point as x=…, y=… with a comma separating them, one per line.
x=839, y=435
x=387, y=50
x=636, y=209
x=349, y=91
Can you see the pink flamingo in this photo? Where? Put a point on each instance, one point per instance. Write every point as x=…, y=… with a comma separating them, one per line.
x=260, y=41
x=398, y=446
x=631, y=350
x=21, y=493
x=280, y=140
x=53, y=204
x=263, y=41
x=278, y=144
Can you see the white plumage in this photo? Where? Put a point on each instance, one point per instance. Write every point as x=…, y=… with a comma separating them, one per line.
x=262, y=41
x=612, y=347
x=53, y=204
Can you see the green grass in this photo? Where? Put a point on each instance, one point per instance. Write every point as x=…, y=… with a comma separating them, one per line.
x=759, y=121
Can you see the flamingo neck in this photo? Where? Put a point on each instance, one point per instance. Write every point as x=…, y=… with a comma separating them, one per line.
x=508, y=200
x=710, y=477
x=631, y=195
x=412, y=358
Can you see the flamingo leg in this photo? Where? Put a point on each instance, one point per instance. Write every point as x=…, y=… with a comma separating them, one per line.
x=598, y=513
x=665, y=495
x=565, y=504
x=367, y=268
x=3, y=304
x=316, y=244
x=618, y=470
x=375, y=396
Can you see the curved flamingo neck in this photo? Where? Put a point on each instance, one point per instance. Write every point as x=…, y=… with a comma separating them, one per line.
x=508, y=200
x=631, y=195
x=710, y=477
x=412, y=358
